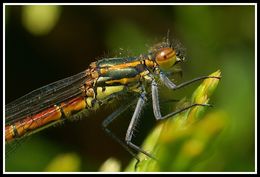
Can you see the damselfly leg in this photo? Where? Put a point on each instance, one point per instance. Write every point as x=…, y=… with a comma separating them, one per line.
x=168, y=83
x=134, y=119
x=157, y=113
x=171, y=85
x=156, y=108
x=110, y=119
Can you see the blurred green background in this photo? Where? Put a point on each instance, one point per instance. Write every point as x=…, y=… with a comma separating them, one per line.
x=47, y=43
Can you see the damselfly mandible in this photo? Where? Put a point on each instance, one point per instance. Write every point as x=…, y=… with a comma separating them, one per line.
x=102, y=82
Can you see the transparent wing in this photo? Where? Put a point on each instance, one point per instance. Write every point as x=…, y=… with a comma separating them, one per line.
x=44, y=97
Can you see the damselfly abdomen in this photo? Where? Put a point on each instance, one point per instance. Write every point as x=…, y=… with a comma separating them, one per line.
x=102, y=82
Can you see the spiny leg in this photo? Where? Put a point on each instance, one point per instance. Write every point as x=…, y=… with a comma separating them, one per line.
x=156, y=105
x=129, y=133
x=110, y=119
x=168, y=83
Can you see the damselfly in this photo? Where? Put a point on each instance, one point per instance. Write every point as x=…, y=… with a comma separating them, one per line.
x=102, y=82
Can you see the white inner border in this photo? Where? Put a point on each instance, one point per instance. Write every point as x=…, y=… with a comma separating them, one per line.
x=129, y=4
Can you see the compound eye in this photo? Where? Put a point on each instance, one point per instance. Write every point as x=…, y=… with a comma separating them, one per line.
x=165, y=54
x=166, y=58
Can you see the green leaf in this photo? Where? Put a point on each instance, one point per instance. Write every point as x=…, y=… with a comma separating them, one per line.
x=180, y=142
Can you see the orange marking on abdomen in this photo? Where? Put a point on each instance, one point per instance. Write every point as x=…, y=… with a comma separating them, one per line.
x=9, y=133
x=76, y=104
x=54, y=113
x=28, y=124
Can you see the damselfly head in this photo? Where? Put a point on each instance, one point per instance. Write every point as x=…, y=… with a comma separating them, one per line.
x=167, y=57
x=168, y=53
